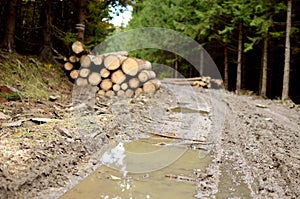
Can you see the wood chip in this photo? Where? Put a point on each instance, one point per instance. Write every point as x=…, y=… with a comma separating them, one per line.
x=43, y=120
x=260, y=106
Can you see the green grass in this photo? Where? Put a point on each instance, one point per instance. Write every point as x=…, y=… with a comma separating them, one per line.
x=31, y=79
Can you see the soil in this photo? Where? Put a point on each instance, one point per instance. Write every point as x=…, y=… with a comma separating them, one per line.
x=254, y=141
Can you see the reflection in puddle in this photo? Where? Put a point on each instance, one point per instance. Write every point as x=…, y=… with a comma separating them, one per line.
x=175, y=180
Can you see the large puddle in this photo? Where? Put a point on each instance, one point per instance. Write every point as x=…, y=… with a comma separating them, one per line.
x=176, y=179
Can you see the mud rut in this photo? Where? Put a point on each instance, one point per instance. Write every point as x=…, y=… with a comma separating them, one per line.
x=255, y=147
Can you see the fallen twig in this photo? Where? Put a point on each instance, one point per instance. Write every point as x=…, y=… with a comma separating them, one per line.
x=180, y=178
x=172, y=136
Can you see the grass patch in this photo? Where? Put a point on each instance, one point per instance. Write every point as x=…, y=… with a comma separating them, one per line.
x=32, y=78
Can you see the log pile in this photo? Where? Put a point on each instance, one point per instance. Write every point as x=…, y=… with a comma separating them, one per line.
x=111, y=74
x=203, y=82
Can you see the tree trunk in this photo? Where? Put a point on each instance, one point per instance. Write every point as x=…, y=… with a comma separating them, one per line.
x=286, y=74
x=263, y=91
x=226, y=68
x=46, y=52
x=201, y=67
x=239, y=60
x=82, y=7
x=176, y=69
x=8, y=42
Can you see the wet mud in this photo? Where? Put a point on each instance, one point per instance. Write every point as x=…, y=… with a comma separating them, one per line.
x=231, y=147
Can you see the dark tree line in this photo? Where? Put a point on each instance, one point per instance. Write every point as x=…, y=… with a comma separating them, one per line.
x=43, y=27
x=255, y=43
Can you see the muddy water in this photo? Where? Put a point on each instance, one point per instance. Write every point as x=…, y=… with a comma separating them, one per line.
x=176, y=180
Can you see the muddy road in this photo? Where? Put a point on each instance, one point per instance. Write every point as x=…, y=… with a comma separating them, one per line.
x=247, y=147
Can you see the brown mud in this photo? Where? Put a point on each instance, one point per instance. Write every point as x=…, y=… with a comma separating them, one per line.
x=253, y=144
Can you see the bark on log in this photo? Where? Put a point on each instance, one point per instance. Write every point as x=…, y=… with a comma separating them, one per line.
x=68, y=66
x=94, y=78
x=118, y=77
x=84, y=72
x=106, y=84
x=74, y=74
x=146, y=75
x=77, y=47
x=134, y=83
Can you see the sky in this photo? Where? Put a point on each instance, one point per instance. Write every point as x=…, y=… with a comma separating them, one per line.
x=122, y=18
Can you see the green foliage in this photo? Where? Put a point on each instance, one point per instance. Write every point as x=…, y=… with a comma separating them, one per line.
x=11, y=96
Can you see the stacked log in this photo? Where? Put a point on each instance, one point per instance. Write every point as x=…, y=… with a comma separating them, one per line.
x=204, y=82
x=112, y=74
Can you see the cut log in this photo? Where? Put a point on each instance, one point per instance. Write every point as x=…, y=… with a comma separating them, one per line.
x=77, y=47
x=143, y=64
x=106, y=84
x=74, y=74
x=130, y=66
x=109, y=93
x=124, y=86
x=101, y=92
x=94, y=78
x=73, y=59
x=97, y=60
x=81, y=82
x=199, y=84
x=129, y=93
x=116, y=87
x=86, y=61
x=134, y=83
x=118, y=77
x=82, y=58
x=112, y=62
x=138, y=91
x=120, y=93
x=146, y=75
x=104, y=73
x=68, y=66
x=151, y=86
x=84, y=72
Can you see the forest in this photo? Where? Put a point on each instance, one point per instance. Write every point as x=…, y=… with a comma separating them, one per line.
x=255, y=43
x=189, y=99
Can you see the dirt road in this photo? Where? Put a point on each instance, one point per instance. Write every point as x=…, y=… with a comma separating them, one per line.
x=255, y=148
